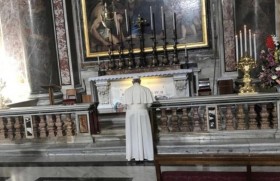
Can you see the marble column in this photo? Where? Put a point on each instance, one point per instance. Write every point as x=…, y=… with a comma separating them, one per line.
x=37, y=30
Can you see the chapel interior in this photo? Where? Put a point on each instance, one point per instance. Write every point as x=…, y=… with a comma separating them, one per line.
x=213, y=67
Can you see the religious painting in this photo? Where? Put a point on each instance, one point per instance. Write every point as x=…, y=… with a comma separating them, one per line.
x=112, y=23
x=212, y=118
x=83, y=123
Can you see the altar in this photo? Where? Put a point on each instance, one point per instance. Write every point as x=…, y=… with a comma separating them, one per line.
x=109, y=90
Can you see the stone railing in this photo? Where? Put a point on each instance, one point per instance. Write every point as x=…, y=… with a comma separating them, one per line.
x=55, y=123
x=223, y=116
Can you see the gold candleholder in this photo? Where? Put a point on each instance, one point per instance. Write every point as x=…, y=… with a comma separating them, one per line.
x=246, y=64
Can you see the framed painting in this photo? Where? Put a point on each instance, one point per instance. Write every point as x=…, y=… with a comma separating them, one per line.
x=113, y=22
x=83, y=122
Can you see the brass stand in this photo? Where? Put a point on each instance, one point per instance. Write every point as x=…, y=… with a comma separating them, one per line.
x=246, y=64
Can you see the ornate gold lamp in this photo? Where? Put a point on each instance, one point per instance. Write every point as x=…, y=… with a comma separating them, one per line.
x=246, y=64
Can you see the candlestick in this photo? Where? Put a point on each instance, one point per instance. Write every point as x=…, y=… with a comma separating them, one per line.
x=162, y=18
x=255, y=47
x=245, y=39
x=154, y=28
x=151, y=14
x=236, y=48
x=250, y=42
x=185, y=49
x=241, y=47
x=126, y=20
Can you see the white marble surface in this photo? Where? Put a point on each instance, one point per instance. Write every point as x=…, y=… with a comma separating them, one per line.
x=138, y=173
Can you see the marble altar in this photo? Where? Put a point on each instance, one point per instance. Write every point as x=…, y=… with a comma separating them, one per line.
x=108, y=90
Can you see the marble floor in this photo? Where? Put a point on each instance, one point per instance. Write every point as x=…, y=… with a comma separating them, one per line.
x=107, y=171
x=105, y=160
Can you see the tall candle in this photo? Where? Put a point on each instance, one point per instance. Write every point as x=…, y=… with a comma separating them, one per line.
x=174, y=21
x=186, y=50
x=126, y=20
x=236, y=48
x=255, y=47
x=162, y=18
x=116, y=24
x=245, y=39
x=250, y=42
x=151, y=14
x=241, y=47
x=98, y=60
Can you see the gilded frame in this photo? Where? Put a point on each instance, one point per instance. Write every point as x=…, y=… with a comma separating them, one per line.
x=195, y=24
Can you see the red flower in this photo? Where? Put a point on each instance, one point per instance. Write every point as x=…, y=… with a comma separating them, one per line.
x=270, y=43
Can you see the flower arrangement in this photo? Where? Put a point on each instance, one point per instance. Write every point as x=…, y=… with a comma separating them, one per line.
x=270, y=63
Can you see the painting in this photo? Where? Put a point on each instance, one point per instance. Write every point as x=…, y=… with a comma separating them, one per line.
x=83, y=123
x=113, y=22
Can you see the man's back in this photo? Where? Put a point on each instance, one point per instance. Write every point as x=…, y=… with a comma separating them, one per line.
x=138, y=94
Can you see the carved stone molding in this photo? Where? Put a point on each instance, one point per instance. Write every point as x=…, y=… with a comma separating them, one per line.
x=103, y=89
x=181, y=85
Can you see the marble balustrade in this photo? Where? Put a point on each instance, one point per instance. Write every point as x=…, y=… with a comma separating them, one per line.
x=53, y=123
x=248, y=114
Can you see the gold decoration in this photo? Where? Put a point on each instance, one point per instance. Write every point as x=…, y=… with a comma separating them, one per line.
x=246, y=64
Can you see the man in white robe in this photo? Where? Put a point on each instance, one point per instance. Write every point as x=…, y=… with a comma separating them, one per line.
x=139, y=140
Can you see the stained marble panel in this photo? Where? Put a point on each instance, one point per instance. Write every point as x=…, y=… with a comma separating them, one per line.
x=229, y=47
x=58, y=6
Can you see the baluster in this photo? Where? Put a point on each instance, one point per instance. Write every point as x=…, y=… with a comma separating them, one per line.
x=229, y=120
x=252, y=117
x=221, y=124
x=164, y=121
x=264, y=117
x=10, y=128
x=240, y=117
x=203, y=120
x=42, y=127
x=269, y=108
x=18, y=128
x=69, y=125
x=50, y=126
x=195, y=115
x=274, y=116
x=35, y=126
x=174, y=120
x=2, y=129
x=185, y=121
x=58, y=125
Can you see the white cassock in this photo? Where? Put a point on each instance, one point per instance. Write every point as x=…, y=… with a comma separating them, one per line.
x=139, y=140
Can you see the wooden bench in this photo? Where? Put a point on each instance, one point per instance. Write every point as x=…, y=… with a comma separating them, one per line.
x=216, y=160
